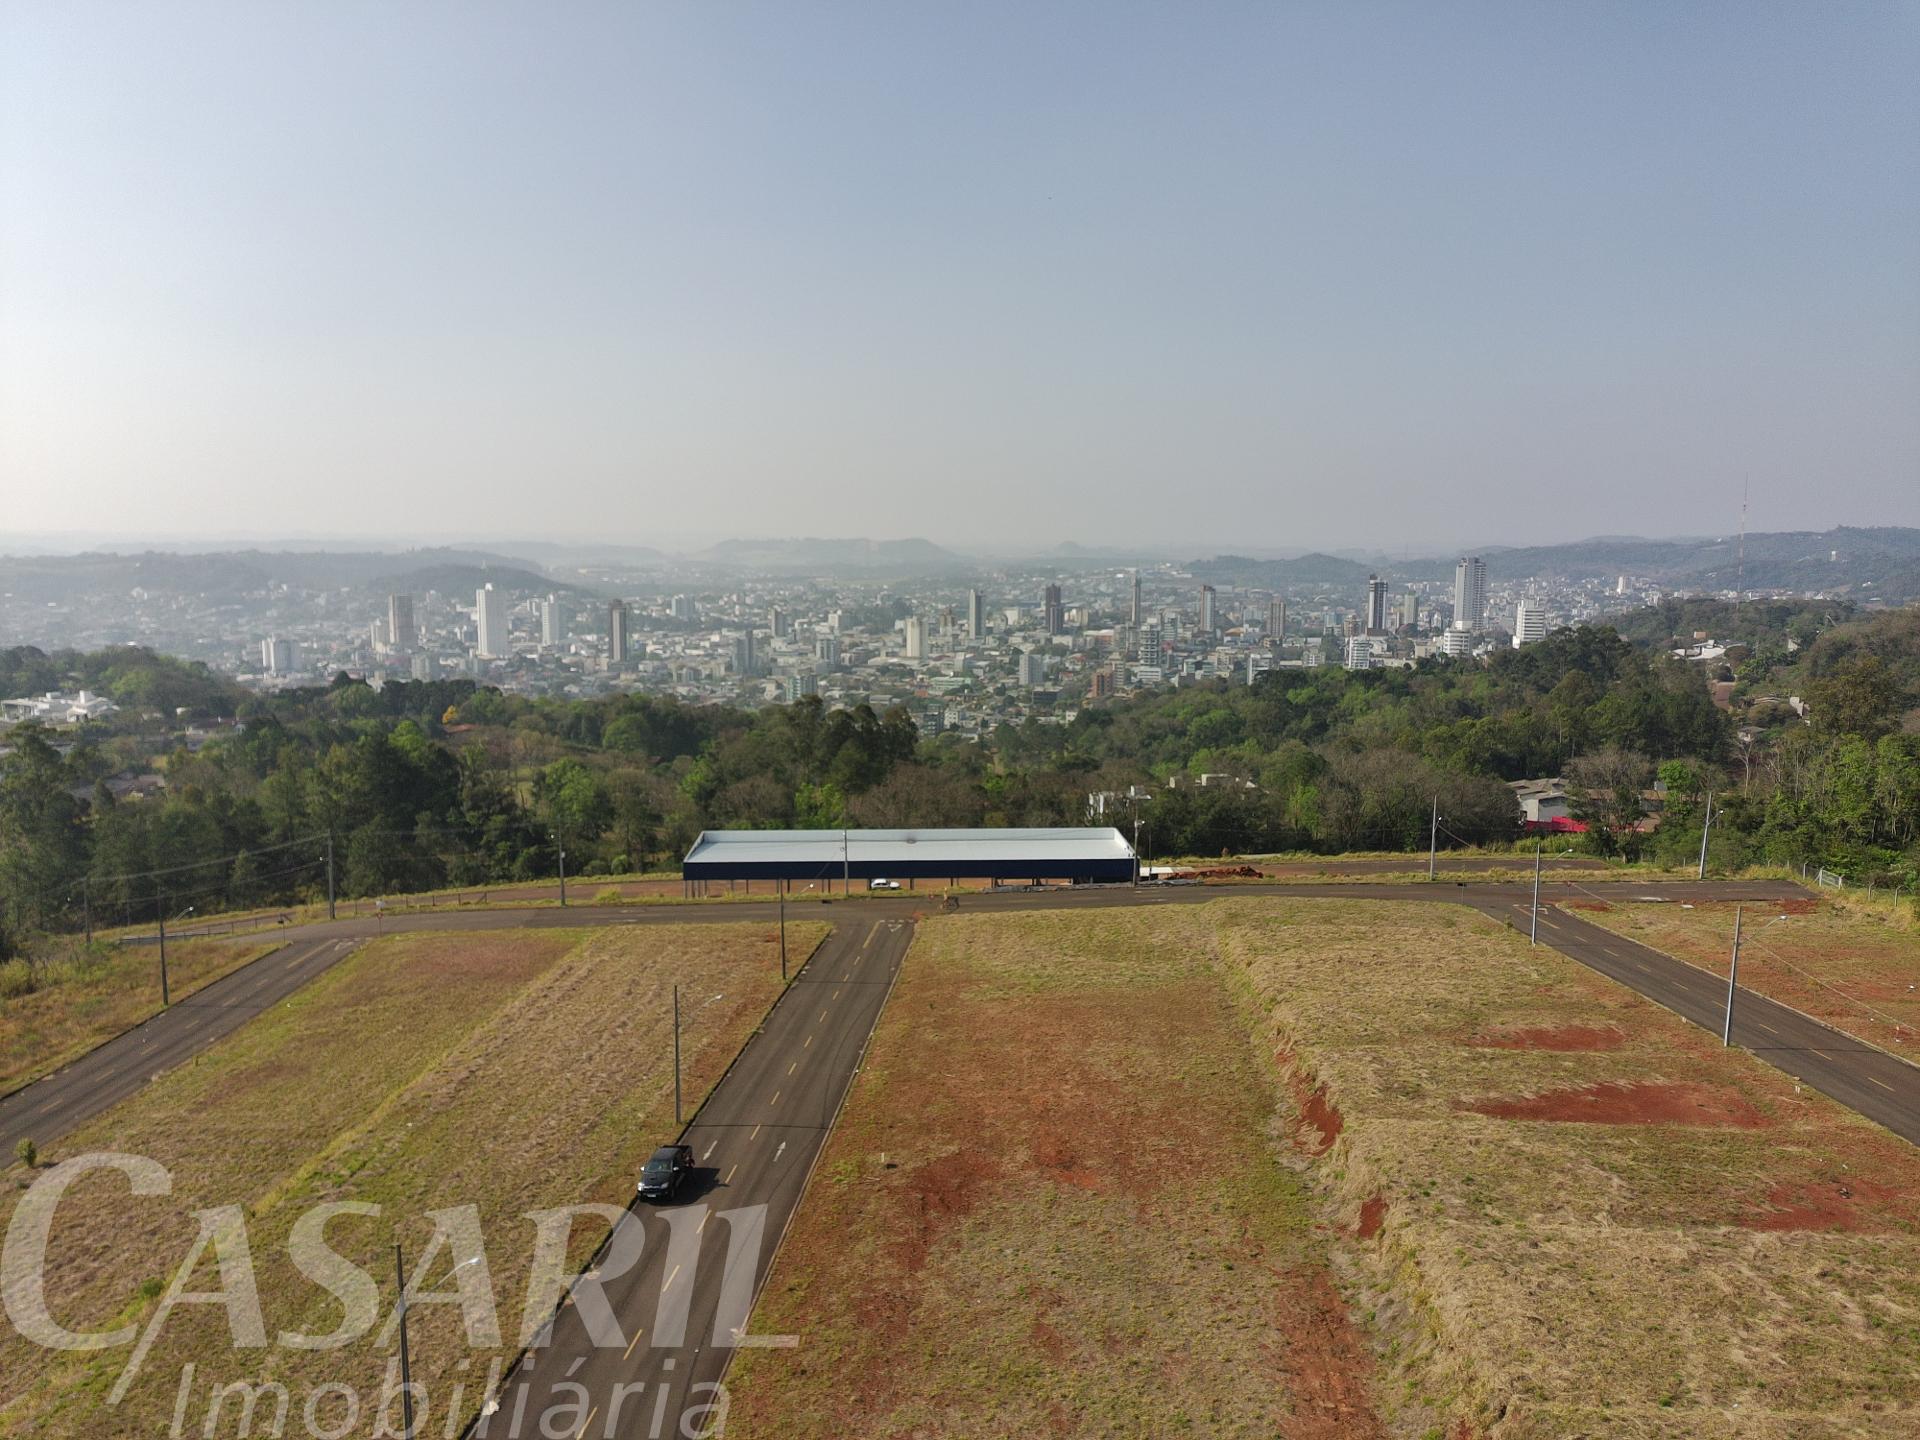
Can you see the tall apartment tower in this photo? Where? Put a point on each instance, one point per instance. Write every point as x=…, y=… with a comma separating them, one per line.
x=1470, y=594
x=1133, y=615
x=1376, y=605
x=490, y=618
x=916, y=638
x=1209, y=612
x=976, y=614
x=1055, y=616
x=400, y=632
x=779, y=624
x=1408, y=610
x=1276, y=619
x=617, y=632
x=276, y=655
x=1529, y=624
x=551, y=625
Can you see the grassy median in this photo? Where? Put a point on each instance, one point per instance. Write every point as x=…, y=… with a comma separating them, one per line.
x=510, y=1070
x=1054, y=1206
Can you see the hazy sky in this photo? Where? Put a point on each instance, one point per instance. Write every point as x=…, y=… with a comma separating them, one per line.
x=1331, y=274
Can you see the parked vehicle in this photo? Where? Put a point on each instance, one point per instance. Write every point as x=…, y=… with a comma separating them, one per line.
x=882, y=883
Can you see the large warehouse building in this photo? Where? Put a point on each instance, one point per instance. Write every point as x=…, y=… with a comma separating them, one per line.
x=857, y=856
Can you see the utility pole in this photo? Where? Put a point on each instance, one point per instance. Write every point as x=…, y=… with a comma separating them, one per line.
x=1433, y=839
x=1733, y=979
x=676, y=1054
x=560, y=849
x=846, y=863
x=783, y=930
x=1533, y=935
x=1705, y=826
x=86, y=905
x=165, y=1000
x=406, y=1369
x=330, y=874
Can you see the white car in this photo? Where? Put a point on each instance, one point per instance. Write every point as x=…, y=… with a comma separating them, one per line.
x=883, y=884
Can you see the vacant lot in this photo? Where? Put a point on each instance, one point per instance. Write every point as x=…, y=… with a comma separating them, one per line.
x=509, y=1070
x=1054, y=1207
x=1572, y=1213
x=88, y=995
x=1854, y=969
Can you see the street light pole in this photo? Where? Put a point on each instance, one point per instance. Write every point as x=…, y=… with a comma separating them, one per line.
x=86, y=905
x=406, y=1369
x=676, y=1054
x=1705, y=826
x=330, y=874
x=1433, y=839
x=1733, y=980
x=165, y=1001
x=1533, y=935
x=783, y=930
x=560, y=849
x=846, y=863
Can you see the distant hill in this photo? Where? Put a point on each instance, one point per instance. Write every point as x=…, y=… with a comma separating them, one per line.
x=1310, y=569
x=898, y=557
x=238, y=572
x=462, y=580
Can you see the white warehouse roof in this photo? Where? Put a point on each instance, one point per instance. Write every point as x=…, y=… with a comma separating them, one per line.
x=1093, y=852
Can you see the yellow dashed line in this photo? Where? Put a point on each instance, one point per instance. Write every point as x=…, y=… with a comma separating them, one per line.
x=586, y=1422
x=775, y=1101
x=729, y=1176
x=793, y=1067
x=756, y=1131
x=633, y=1342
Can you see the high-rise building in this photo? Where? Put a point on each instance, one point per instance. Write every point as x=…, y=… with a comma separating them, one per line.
x=1033, y=669
x=617, y=632
x=1376, y=605
x=1055, y=614
x=916, y=638
x=490, y=621
x=976, y=614
x=1529, y=624
x=1133, y=614
x=746, y=660
x=826, y=649
x=277, y=656
x=1276, y=619
x=1100, y=683
x=682, y=608
x=1359, y=652
x=1209, y=613
x=1470, y=594
x=1457, y=641
x=802, y=682
x=377, y=636
x=779, y=623
x=1407, y=609
x=552, y=624
x=400, y=632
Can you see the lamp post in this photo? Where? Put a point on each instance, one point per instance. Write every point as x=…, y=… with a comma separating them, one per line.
x=166, y=998
x=676, y=1055
x=560, y=849
x=783, y=930
x=1705, y=826
x=1433, y=840
x=1533, y=935
x=1733, y=973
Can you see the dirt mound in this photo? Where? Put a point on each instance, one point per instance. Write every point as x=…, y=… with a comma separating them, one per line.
x=1563, y=1037
x=1646, y=1102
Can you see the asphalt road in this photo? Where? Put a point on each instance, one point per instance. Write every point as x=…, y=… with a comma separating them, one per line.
x=1882, y=1087
x=671, y=1316
x=55, y=1104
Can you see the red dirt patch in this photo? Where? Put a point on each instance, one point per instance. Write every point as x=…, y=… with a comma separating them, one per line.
x=1564, y=1037
x=1793, y=906
x=1647, y=1102
x=1047, y=1340
x=1825, y=1205
x=1372, y=1214
x=937, y=1194
x=1316, y=1110
x=1329, y=1368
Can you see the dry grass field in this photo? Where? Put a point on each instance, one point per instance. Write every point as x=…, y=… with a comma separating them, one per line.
x=102, y=994
x=1570, y=1213
x=1055, y=1206
x=509, y=1070
x=1848, y=965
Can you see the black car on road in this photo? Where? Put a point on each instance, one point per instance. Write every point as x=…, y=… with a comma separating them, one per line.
x=665, y=1169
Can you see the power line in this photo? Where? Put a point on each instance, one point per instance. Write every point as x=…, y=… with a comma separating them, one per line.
x=200, y=864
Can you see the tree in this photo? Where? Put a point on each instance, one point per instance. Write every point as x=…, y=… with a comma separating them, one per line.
x=1604, y=790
